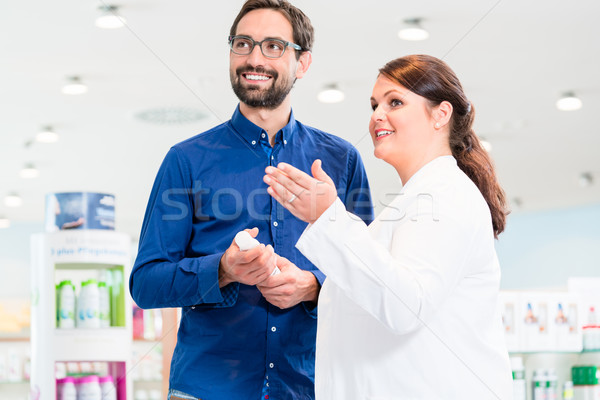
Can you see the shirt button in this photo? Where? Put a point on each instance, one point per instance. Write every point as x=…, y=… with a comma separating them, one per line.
x=272, y=157
x=273, y=329
x=267, y=384
x=275, y=223
x=263, y=135
x=253, y=142
x=271, y=365
x=285, y=142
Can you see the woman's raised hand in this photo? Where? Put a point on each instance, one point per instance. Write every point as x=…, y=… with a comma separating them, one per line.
x=304, y=196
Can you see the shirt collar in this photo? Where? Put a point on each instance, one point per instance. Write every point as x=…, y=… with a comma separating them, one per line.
x=252, y=133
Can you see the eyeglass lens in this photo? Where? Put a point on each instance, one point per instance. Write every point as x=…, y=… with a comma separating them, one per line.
x=272, y=48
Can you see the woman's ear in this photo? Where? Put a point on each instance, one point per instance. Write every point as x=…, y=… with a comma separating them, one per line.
x=442, y=114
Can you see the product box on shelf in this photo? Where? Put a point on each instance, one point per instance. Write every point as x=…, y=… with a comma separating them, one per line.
x=80, y=210
x=588, y=290
x=509, y=303
x=541, y=321
x=534, y=319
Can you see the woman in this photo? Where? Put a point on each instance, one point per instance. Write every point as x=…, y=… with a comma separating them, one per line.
x=408, y=310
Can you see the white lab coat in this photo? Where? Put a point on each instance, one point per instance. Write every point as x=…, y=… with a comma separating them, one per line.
x=409, y=307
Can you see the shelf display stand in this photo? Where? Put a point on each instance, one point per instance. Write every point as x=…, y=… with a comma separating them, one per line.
x=80, y=255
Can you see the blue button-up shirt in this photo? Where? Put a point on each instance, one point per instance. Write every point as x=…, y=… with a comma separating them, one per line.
x=231, y=342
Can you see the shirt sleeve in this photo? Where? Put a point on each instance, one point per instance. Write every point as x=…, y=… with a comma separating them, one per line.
x=401, y=291
x=163, y=275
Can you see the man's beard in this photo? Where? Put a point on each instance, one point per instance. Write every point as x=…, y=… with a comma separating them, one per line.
x=255, y=97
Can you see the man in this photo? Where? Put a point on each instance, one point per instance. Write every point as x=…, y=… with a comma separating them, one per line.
x=244, y=334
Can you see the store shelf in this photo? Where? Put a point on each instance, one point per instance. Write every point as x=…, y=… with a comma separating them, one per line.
x=80, y=255
x=113, y=342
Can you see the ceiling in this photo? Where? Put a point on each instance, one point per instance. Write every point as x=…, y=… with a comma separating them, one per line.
x=514, y=58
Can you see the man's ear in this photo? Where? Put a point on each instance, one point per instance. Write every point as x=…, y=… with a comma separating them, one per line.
x=303, y=63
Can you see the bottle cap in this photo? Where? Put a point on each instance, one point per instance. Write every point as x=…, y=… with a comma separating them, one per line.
x=107, y=378
x=89, y=282
x=88, y=379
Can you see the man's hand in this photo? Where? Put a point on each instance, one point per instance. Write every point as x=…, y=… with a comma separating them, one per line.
x=248, y=267
x=292, y=286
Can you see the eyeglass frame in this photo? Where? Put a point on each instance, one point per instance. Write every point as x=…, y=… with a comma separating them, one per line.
x=231, y=38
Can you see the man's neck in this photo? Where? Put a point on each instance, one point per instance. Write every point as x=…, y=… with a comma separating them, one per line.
x=271, y=120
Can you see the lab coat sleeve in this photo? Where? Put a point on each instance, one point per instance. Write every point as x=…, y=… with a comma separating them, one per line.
x=404, y=290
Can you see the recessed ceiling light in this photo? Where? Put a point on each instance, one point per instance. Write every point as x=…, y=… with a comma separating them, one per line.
x=29, y=171
x=585, y=179
x=74, y=86
x=413, y=30
x=517, y=203
x=487, y=146
x=330, y=94
x=4, y=222
x=569, y=102
x=109, y=18
x=47, y=135
x=13, y=200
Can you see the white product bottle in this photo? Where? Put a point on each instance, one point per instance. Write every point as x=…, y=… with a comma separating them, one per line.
x=140, y=395
x=519, y=382
x=104, y=300
x=551, y=385
x=538, y=384
x=66, y=305
x=568, y=390
x=66, y=388
x=246, y=242
x=89, y=388
x=88, y=306
x=107, y=385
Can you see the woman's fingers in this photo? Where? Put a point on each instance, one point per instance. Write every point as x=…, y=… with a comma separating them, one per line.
x=278, y=191
x=299, y=177
x=284, y=180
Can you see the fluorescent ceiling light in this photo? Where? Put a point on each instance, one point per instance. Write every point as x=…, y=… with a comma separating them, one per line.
x=109, y=18
x=13, y=200
x=29, y=172
x=4, y=223
x=74, y=86
x=413, y=30
x=487, y=146
x=331, y=94
x=569, y=102
x=47, y=135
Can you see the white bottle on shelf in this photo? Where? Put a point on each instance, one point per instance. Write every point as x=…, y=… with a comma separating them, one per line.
x=104, y=305
x=519, y=382
x=538, y=385
x=568, y=390
x=551, y=384
x=107, y=386
x=66, y=305
x=89, y=388
x=66, y=388
x=88, y=306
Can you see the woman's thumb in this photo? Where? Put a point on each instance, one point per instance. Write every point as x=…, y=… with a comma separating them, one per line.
x=318, y=173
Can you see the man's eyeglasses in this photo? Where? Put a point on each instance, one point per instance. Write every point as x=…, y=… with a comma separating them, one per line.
x=270, y=48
